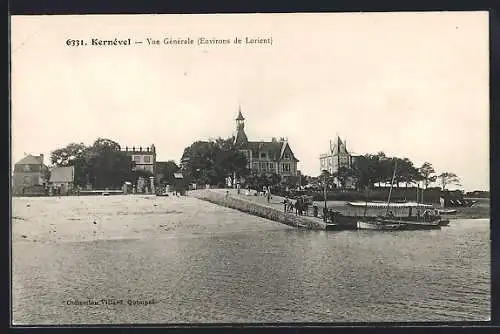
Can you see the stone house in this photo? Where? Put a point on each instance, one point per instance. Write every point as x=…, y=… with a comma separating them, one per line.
x=62, y=180
x=143, y=158
x=29, y=176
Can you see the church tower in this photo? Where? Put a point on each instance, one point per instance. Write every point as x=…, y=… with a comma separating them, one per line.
x=241, y=138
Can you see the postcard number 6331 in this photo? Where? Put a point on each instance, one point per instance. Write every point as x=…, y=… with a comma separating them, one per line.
x=75, y=42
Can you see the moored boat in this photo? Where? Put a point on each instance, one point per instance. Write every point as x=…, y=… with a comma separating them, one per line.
x=415, y=224
x=379, y=225
x=444, y=222
x=447, y=212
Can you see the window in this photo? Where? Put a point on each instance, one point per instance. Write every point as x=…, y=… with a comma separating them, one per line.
x=147, y=158
x=256, y=166
x=286, y=167
x=287, y=155
x=263, y=155
x=137, y=158
x=263, y=166
x=27, y=168
x=271, y=166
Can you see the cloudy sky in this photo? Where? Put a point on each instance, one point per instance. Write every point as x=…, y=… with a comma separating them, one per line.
x=410, y=84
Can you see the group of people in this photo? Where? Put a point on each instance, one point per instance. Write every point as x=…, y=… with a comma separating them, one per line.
x=300, y=206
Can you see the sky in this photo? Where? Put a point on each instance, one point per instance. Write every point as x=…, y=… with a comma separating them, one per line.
x=412, y=85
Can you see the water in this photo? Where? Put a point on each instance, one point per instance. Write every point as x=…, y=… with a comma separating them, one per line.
x=204, y=263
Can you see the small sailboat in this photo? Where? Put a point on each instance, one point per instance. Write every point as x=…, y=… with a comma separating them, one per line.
x=380, y=223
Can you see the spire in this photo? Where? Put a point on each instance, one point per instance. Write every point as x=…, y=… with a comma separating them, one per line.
x=241, y=138
x=240, y=116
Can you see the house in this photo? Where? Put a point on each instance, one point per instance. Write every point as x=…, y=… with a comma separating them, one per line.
x=62, y=180
x=266, y=157
x=29, y=177
x=144, y=158
x=337, y=157
x=179, y=184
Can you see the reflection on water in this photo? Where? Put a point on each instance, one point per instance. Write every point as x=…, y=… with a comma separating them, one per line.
x=203, y=263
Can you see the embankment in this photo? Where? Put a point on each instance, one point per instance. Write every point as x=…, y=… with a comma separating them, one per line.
x=256, y=209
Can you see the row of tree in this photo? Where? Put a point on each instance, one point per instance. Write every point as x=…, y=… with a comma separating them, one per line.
x=376, y=169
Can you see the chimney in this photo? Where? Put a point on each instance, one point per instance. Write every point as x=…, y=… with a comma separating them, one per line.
x=274, y=139
x=147, y=149
x=126, y=148
x=140, y=148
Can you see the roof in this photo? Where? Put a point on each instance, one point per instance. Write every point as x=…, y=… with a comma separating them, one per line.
x=339, y=146
x=240, y=116
x=241, y=138
x=62, y=174
x=276, y=149
x=31, y=160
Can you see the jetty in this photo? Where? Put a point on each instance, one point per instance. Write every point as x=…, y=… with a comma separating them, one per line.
x=258, y=206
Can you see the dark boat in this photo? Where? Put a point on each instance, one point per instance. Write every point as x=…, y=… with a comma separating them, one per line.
x=444, y=222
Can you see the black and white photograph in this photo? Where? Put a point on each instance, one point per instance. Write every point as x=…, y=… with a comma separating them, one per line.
x=250, y=168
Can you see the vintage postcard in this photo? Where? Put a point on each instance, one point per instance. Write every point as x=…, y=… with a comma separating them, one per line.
x=250, y=168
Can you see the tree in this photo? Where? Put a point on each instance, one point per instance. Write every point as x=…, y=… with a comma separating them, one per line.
x=167, y=172
x=426, y=172
x=343, y=175
x=406, y=172
x=212, y=162
x=107, y=166
x=447, y=178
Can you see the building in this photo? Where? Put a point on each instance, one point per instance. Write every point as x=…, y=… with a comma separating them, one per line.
x=144, y=158
x=29, y=177
x=266, y=157
x=337, y=157
x=62, y=180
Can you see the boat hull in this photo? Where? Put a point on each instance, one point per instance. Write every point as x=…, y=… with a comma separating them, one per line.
x=415, y=225
x=378, y=226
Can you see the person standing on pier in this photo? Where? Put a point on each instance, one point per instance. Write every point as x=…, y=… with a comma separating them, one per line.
x=268, y=195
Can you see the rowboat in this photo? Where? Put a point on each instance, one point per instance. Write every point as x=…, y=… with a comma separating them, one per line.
x=447, y=212
x=379, y=225
x=414, y=224
x=444, y=222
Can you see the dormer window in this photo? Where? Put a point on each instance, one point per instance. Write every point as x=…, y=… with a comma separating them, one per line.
x=287, y=155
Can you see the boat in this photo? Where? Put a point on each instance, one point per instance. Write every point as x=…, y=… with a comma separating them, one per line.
x=380, y=224
x=389, y=221
x=391, y=205
x=447, y=212
x=444, y=222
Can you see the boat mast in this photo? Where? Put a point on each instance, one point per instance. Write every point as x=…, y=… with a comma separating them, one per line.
x=390, y=190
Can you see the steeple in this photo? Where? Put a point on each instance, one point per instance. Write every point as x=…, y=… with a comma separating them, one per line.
x=240, y=116
x=241, y=138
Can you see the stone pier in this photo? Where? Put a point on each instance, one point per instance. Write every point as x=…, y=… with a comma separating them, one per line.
x=228, y=199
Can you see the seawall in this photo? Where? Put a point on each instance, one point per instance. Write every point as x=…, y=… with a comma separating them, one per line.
x=256, y=209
